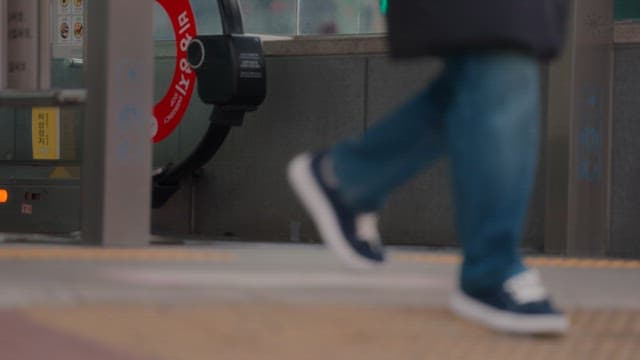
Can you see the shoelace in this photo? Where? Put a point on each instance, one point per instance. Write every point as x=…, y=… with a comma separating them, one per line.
x=367, y=229
x=526, y=287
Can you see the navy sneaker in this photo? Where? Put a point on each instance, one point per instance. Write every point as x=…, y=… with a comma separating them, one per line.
x=520, y=306
x=352, y=235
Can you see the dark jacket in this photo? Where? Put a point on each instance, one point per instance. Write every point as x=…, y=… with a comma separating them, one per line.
x=444, y=27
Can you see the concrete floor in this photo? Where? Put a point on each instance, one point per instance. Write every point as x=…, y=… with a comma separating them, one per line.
x=266, y=301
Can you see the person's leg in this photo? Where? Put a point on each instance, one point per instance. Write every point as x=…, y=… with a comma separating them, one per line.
x=367, y=169
x=343, y=188
x=492, y=135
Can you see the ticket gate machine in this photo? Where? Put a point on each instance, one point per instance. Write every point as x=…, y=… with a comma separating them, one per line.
x=231, y=75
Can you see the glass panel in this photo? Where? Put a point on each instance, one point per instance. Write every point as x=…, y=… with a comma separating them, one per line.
x=340, y=17
x=627, y=10
x=286, y=17
x=161, y=24
x=207, y=16
x=277, y=17
x=206, y=13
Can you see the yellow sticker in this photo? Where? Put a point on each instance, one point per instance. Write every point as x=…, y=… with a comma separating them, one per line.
x=45, y=133
x=60, y=173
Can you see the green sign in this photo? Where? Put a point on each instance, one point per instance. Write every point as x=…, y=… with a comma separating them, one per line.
x=384, y=4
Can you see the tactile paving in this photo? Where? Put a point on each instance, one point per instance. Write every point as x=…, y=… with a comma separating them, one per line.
x=283, y=331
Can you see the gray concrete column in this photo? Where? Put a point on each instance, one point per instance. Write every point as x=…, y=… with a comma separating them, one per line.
x=116, y=173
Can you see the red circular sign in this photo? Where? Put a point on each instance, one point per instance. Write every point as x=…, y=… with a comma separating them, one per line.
x=169, y=111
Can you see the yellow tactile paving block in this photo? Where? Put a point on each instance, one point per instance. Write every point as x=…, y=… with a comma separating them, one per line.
x=282, y=332
x=537, y=261
x=447, y=259
x=147, y=254
x=157, y=254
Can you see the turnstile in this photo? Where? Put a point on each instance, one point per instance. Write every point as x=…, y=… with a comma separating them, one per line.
x=104, y=189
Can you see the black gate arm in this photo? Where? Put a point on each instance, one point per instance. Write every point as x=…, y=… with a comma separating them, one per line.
x=231, y=74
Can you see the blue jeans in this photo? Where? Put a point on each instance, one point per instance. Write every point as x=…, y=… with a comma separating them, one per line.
x=483, y=112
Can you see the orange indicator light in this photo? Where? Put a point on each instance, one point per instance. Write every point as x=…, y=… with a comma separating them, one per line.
x=4, y=196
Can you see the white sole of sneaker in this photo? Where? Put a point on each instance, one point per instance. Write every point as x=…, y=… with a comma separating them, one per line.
x=471, y=309
x=312, y=198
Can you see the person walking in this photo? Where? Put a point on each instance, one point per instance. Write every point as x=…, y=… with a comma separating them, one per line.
x=482, y=111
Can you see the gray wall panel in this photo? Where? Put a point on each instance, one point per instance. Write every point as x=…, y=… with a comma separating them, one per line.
x=24, y=151
x=421, y=211
x=193, y=126
x=7, y=134
x=311, y=103
x=174, y=218
x=625, y=197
